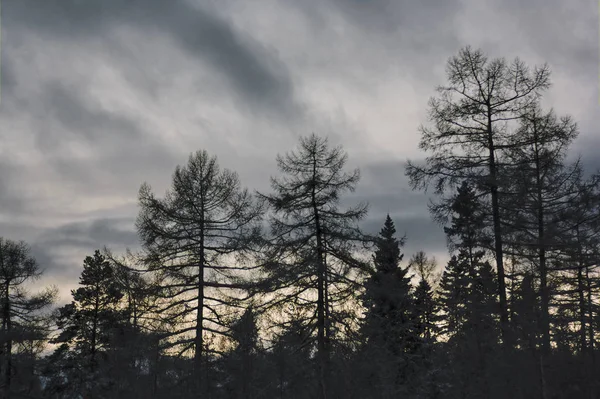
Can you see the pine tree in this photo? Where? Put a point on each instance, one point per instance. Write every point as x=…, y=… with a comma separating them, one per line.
x=88, y=326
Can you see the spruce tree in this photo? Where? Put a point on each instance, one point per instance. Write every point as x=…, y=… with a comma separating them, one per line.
x=425, y=312
x=242, y=362
x=389, y=329
x=453, y=296
x=387, y=298
x=468, y=296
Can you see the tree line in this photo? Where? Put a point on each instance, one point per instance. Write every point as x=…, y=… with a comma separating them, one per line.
x=281, y=294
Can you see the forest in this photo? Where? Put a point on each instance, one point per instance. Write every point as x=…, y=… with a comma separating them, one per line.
x=243, y=294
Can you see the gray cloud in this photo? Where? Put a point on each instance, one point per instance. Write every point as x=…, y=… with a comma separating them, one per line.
x=101, y=95
x=253, y=71
x=8, y=80
x=95, y=232
x=81, y=120
x=60, y=250
x=420, y=231
x=588, y=150
x=384, y=186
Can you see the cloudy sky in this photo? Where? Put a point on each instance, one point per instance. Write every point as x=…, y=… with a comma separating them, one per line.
x=100, y=96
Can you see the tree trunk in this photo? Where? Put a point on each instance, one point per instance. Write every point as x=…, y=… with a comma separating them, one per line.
x=7, y=331
x=582, y=311
x=544, y=295
x=200, y=321
x=497, y=234
x=94, y=330
x=156, y=368
x=590, y=309
x=591, y=345
x=321, y=345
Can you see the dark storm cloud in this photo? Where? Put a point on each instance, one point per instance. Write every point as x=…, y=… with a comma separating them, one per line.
x=254, y=72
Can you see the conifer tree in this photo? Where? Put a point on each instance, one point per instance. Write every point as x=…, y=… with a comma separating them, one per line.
x=387, y=298
x=196, y=238
x=291, y=361
x=425, y=305
x=242, y=361
x=453, y=296
x=389, y=330
x=541, y=185
x=88, y=326
x=312, y=258
x=20, y=314
x=468, y=295
x=425, y=312
x=472, y=124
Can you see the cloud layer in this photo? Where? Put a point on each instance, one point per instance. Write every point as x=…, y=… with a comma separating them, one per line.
x=99, y=96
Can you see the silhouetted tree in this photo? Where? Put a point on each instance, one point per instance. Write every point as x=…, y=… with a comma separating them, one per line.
x=22, y=317
x=313, y=241
x=471, y=127
x=541, y=185
x=194, y=238
x=426, y=310
x=389, y=330
x=242, y=362
x=87, y=327
x=292, y=362
x=424, y=267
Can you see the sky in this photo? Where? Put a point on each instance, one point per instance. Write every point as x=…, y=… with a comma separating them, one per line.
x=98, y=97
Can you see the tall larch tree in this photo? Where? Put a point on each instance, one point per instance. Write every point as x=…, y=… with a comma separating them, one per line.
x=195, y=238
x=540, y=186
x=312, y=259
x=472, y=122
